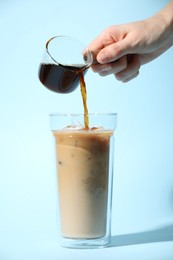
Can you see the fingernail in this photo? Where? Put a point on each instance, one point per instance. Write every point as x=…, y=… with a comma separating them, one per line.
x=102, y=58
x=106, y=67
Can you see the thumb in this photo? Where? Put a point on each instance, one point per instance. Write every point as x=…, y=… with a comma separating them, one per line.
x=114, y=51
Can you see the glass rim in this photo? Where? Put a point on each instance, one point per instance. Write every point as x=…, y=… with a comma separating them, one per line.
x=106, y=120
x=70, y=38
x=82, y=114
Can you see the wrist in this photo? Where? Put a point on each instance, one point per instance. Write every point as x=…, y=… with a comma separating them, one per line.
x=166, y=18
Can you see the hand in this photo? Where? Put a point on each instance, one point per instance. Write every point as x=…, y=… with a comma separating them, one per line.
x=122, y=49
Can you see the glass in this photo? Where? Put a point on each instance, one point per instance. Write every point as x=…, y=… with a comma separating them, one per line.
x=84, y=160
x=63, y=59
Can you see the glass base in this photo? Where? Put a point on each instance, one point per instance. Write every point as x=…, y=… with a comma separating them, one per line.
x=85, y=243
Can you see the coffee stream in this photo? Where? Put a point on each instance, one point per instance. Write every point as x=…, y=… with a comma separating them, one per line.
x=84, y=98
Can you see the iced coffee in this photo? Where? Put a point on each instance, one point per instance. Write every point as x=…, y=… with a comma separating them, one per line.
x=82, y=158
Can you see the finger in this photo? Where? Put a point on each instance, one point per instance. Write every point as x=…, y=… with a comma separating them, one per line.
x=114, y=51
x=132, y=69
x=129, y=78
x=96, y=46
x=111, y=68
x=101, y=41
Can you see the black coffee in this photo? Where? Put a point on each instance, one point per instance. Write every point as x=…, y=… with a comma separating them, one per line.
x=60, y=79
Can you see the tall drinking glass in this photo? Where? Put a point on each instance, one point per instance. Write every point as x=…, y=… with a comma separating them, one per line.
x=84, y=160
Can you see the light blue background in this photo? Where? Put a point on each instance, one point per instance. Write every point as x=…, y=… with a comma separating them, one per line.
x=142, y=223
